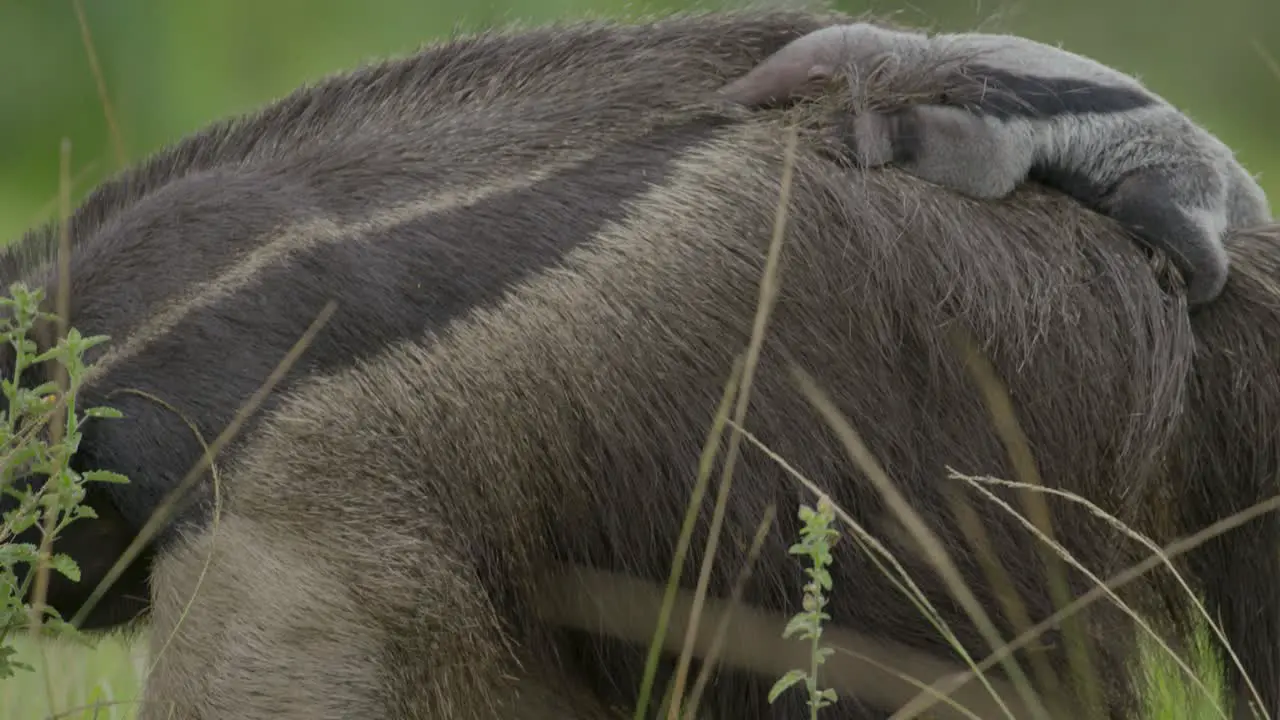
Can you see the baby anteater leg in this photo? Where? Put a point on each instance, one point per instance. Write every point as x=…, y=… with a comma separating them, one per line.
x=1142, y=203
x=948, y=146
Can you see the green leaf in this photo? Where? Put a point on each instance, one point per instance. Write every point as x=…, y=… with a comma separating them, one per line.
x=18, y=522
x=66, y=566
x=784, y=682
x=48, y=388
x=92, y=340
x=7, y=666
x=14, y=553
x=104, y=476
x=796, y=624
x=104, y=412
x=823, y=577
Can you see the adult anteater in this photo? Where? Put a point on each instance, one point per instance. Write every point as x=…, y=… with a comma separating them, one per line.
x=546, y=254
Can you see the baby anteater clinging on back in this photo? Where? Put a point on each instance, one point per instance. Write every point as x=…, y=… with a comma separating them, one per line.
x=1008, y=108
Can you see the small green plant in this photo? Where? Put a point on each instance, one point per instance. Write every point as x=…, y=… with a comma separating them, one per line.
x=817, y=539
x=53, y=498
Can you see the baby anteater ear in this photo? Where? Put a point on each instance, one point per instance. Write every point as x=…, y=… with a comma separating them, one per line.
x=1019, y=110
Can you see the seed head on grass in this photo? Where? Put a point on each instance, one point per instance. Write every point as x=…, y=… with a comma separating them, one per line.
x=817, y=539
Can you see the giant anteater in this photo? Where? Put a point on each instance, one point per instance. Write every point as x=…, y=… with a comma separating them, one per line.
x=546, y=248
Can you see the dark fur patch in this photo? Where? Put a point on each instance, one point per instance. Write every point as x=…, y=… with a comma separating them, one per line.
x=408, y=282
x=1076, y=184
x=1008, y=95
x=905, y=132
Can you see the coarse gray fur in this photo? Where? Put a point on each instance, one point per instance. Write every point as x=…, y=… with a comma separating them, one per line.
x=1014, y=108
x=546, y=246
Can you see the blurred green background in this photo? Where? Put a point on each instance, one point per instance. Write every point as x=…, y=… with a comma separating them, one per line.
x=171, y=66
